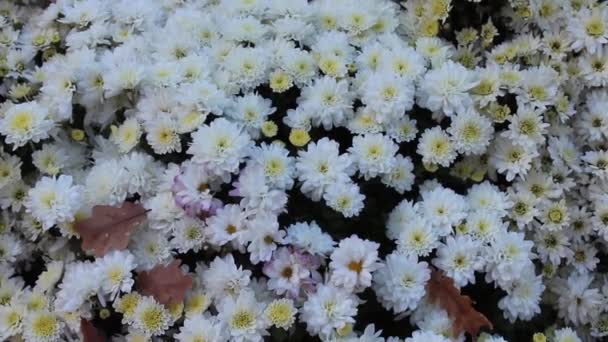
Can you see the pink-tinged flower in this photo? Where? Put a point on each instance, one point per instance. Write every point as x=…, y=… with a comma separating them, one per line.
x=291, y=271
x=192, y=189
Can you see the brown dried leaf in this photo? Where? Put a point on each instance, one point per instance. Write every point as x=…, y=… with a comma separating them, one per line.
x=459, y=307
x=90, y=333
x=166, y=283
x=109, y=227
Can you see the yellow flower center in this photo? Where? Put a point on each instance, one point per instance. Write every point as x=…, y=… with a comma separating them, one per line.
x=242, y=319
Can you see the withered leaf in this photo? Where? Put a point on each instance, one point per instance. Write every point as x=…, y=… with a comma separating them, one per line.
x=109, y=228
x=166, y=283
x=90, y=333
x=459, y=307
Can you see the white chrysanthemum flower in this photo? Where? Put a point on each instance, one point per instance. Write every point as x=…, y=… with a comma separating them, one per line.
x=263, y=234
x=328, y=309
x=43, y=326
x=127, y=135
x=344, y=198
x=484, y=225
x=511, y=158
x=459, y=258
x=578, y=302
x=310, y=238
x=220, y=146
x=54, y=200
x=443, y=209
x=281, y=313
x=188, y=235
x=25, y=122
x=436, y=147
x=80, y=281
x=471, y=132
x=589, y=28
x=446, y=89
x=417, y=237
x=426, y=336
x=201, y=328
x=566, y=335
x=352, y=263
x=523, y=298
x=115, y=268
x=329, y=102
x=279, y=167
x=224, y=278
x=11, y=320
x=374, y=154
x=321, y=165
x=10, y=169
x=150, y=317
x=243, y=317
x=387, y=95
x=400, y=282
x=106, y=183
x=251, y=110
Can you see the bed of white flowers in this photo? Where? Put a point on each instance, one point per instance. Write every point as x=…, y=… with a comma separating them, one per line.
x=292, y=170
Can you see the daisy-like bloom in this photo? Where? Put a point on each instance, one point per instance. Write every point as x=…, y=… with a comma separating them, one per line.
x=127, y=135
x=229, y=224
x=43, y=326
x=10, y=169
x=538, y=87
x=310, y=237
x=115, y=268
x=446, y=89
x=278, y=166
x=589, y=29
x=150, y=248
x=554, y=215
x=404, y=62
x=251, y=110
x=523, y=297
x=256, y=195
x=527, y=127
x=192, y=190
x=401, y=178
x=287, y=271
x=400, y=282
x=597, y=163
x=11, y=320
x=524, y=208
x=459, y=258
x=471, y=132
x=484, y=225
x=426, y=336
x=321, y=165
x=162, y=135
x=106, y=183
x=387, y=96
x=508, y=256
x=345, y=198
x=224, y=278
x=188, y=235
x=353, y=262
x=243, y=316
x=150, y=317
x=80, y=281
x=374, y=154
x=281, y=313
x=264, y=235
x=219, y=147
x=50, y=277
x=327, y=310
x=489, y=85
x=566, y=335
x=54, y=200
x=329, y=101
x=201, y=328
x=25, y=122
x=485, y=196
x=417, y=237
x=436, y=147
x=511, y=158
x=126, y=305
x=443, y=209
x=579, y=303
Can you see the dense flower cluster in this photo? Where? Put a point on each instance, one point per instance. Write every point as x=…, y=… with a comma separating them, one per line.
x=215, y=115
